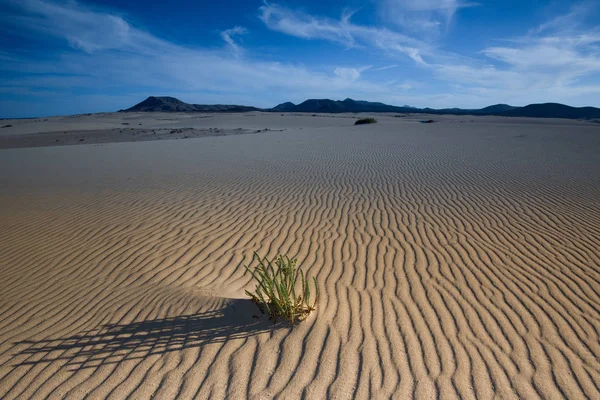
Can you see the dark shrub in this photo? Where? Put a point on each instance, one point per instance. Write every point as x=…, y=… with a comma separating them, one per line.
x=363, y=121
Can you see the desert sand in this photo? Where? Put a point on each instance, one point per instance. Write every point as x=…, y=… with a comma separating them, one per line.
x=458, y=259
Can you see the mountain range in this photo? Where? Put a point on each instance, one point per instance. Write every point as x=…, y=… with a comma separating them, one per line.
x=545, y=110
x=171, y=104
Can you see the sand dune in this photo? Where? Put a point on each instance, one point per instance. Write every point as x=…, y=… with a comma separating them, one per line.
x=456, y=260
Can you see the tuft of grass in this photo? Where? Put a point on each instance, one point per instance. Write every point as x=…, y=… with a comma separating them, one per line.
x=363, y=121
x=275, y=291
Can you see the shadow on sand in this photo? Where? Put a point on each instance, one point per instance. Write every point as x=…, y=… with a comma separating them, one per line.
x=113, y=343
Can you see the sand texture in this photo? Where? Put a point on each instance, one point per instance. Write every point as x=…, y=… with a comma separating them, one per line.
x=456, y=260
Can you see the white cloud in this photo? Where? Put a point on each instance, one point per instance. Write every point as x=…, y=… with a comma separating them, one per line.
x=547, y=54
x=421, y=16
x=227, y=34
x=565, y=22
x=385, y=67
x=531, y=69
x=349, y=74
x=342, y=31
x=111, y=55
x=305, y=26
x=117, y=56
x=557, y=61
x=84, y=29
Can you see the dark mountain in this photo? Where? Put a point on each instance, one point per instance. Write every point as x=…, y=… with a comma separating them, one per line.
x=283, y=107
x=546, y=110
x=224, y=108
x=323, y=105
x=554, y=110
x=445, y=111
x=171, y=104
x=161, y=104
x=348, y=105
x=495, y=109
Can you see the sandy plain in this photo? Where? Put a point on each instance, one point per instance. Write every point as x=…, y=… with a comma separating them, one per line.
x=458, y=259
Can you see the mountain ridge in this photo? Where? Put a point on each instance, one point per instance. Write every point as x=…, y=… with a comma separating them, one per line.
x=172, y=104
x=540, y=110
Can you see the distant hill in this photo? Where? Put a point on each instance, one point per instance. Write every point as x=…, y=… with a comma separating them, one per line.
x=348, y=105
x=171, y=104
x=546, y=110
x=554, y=110
x=496, y=109
x=283, y=107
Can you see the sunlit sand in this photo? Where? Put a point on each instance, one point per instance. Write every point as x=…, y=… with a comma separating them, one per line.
x=457, y=259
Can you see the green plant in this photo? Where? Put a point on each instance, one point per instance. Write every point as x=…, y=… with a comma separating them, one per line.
x=363, y=121
x=275, y=291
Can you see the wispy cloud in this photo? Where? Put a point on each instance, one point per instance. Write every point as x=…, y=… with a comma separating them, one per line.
x=385, y=67
x=558, y=60
x=104, y=56
x=567, y=22
x=306, y=26
x=227, y=36
x=535, y=66
x=84, y=29
x=349, y=74
x=422, y=16
x=532, y=69
x=550, y=53
x=342, y=31
x=108, y=52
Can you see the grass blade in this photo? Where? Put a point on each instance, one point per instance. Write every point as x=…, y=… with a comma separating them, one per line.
x=275, y=291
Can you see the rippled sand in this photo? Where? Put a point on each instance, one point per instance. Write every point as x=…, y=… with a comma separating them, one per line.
x=458, y=259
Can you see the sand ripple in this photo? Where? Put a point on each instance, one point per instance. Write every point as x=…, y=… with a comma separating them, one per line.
x=454, y=262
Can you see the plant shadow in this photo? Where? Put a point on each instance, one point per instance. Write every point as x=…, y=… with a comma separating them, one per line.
x=114, y=343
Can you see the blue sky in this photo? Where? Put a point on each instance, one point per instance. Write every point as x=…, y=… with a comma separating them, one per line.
x=65, y=57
